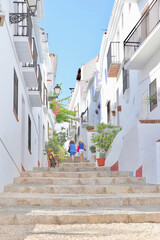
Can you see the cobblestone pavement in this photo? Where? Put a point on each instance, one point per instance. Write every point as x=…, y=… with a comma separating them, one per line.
x=144, y=231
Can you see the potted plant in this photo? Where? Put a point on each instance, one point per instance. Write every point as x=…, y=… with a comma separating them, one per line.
x=90, y=127
x=119, y=108
x=113, y=113
x=103, y=139
x=93, y=151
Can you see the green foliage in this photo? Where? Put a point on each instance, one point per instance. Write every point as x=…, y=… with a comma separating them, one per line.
x=104, y=136
x=92, y=148
x=152, y=100
x=63, y=114
x=56, y=143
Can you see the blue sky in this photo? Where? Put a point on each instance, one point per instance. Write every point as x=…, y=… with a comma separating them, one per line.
x=75, y=29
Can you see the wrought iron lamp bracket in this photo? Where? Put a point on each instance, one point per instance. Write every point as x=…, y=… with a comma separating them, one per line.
x=19, y=17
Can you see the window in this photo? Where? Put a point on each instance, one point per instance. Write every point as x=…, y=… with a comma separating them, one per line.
x=153, y=95
x=125, y=80
x=29, y=134
x=15, y=97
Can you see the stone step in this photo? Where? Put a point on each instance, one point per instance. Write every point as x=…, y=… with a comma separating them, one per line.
x=76, y=159
x=24, y=215
x=97, y=174
x=38, y=199
x=81, y=189
x=80, y=169
x=80, y=165
x=78, y=181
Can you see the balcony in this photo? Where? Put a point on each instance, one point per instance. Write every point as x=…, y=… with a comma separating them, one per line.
x=30, y=69
x=113, y=59
x=143, y=41
x=23, y=34
x=35, y=93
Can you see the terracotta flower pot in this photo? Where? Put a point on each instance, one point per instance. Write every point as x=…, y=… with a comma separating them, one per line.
x=95, y=157
x=101, y=161
x=119, y=108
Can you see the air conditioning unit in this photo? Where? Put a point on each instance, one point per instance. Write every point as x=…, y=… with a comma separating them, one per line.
x=2, y=18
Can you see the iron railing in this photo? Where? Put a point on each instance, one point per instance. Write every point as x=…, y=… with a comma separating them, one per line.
x=113, y=56
x=23, y=28
x=39, y=80
x=142, y=29
x=85, y=116
x=35, y=58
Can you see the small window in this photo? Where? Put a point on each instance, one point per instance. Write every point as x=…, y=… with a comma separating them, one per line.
x=125, y=80
x=15, y=100
x=29, y=134
x=153, y=95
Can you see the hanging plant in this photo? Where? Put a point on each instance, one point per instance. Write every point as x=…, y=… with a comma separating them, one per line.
x=99, y=106
x=119, y=108
x=113, y=113
x=96, y=111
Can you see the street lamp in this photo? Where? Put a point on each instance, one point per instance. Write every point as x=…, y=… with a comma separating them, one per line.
x=19, y=17
x=57, y=90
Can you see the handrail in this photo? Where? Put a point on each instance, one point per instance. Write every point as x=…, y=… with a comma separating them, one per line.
x=142, y=29
x=140, y=21
x=10, y=155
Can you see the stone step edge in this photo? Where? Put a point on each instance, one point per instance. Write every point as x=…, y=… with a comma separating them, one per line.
x=90, y=218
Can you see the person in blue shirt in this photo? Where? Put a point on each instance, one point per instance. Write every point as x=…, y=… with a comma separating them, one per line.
x=72, y=148
x=81, y=149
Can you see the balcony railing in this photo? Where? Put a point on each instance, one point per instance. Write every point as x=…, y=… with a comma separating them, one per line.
x=142, y=29
x=39, y=80
x=113, y=59
x=23, y=28
x=35, y=58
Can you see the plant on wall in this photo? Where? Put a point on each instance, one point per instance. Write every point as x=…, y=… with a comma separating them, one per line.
x=92, y=148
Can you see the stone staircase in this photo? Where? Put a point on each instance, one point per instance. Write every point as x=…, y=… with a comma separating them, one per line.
x=78, y=193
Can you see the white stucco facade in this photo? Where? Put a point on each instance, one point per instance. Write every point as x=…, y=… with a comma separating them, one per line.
x=18, y=150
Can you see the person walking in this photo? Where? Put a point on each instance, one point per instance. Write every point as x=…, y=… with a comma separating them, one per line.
x=72, y=148
x=82, y=146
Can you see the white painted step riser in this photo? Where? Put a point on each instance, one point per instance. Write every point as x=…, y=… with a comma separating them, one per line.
x=77, y=174
x=84, y=219
x=80, y=181
x=100, y=201
x=82, y=190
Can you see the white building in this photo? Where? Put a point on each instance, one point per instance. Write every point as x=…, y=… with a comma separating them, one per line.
x=128, y=75
x=25, y=63
x=132, y=79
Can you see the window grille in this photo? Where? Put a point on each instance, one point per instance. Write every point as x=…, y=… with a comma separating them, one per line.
x=15, y=107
